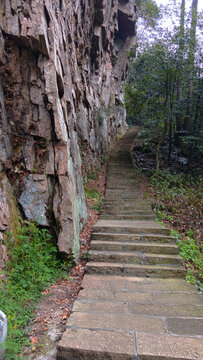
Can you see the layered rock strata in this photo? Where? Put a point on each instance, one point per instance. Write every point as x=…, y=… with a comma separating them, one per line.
x=62, y=63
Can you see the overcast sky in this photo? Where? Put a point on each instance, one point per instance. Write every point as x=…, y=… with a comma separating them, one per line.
x=188, y=2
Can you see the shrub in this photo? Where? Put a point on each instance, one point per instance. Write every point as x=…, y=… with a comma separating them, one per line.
x=33, y=264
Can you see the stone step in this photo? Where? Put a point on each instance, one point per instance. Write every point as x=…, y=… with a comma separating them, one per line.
x=135, y=270
x=130, y=227
x=121, y=204
x=136, y=200
x=81, y=343
x=121, y=207
x=124, y=210
x=133, y=237
x=125, y=188
x=104, y=216
x=134, y=302
x=134, y=258
x=153, y=248
x=131, y=193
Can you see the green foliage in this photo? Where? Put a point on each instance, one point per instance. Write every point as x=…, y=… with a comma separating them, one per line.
x=93, y=175
x=98, y=204
x=177, y=198
x=175, y=234
x=85, y=255
x=165, y=88
x=91, y=193
x=104, y=159
x=148, y=11
x=160, y=215
x=173, y=184
x=33, y=264
x=192, y=253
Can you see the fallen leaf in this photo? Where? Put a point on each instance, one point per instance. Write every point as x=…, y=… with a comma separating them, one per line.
x=34, y=340
x=64, y=317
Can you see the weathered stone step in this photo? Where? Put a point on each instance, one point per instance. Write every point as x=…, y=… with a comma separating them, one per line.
x=135, y=246
x=133, y=204
x=135, y=270
x=130, y=227
x=84, y=344
x=114, y=210
x=120, y=207
x=134, y=258
x=130, y=192
x=133, y=237
x=137, y=199
x=148, y=311
x=125, y=210
x=126, y=217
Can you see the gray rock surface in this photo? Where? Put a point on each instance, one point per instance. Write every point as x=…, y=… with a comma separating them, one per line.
x=3, y=332
x=3, y=327
x=62, y=64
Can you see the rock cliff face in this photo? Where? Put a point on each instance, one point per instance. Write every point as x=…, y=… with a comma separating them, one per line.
x=61, y=64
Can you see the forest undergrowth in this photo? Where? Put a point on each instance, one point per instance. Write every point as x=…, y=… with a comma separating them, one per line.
x=177, y=199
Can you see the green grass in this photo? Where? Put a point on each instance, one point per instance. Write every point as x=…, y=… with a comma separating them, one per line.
x=33, y=265
x=192, y=253
x=91, y=193
x=93, y=175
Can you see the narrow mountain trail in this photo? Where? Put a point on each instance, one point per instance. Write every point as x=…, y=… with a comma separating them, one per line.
x=134, y=302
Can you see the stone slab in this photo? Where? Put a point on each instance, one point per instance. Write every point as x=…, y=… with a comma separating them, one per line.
x=150, y=284
x=96, y=345
x=132, y=257
x=152, y=248
x=133, y=224
x=166, y=310
x=104, y=282
x=114, y=295
x=178, y=299
x=160, y=271
x=100, y=306
x=185, y=326
x=120, y=322
x=162, y=347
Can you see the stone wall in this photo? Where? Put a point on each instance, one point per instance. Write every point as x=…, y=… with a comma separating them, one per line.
x=61, y=64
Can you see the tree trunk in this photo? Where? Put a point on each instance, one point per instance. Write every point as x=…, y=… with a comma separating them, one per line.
x=192, y=45
x=163, y=135
x=179, y=66
x=172, y=90
x=157, y=156
x=197, y=107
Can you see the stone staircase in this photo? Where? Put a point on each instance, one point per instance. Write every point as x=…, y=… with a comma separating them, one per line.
x=135, y=303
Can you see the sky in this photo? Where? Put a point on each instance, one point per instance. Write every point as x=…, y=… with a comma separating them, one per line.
x=165, y=2
x=168, y=21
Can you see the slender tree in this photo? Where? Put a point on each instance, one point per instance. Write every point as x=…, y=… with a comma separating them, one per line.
x=180, y=67
x=191, y=60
